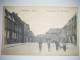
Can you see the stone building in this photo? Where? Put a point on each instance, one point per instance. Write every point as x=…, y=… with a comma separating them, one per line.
x=16, y=31
x=70, y=30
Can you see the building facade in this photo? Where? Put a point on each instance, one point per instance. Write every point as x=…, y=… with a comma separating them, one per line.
x=16, y=31
x=70, y=30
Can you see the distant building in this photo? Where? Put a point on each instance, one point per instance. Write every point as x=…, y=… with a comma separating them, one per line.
x=53, y=34
x=31, y=37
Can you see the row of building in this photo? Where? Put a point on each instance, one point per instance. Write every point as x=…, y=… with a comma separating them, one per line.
x=16, y=31
x=66, y=34
x=70, y=30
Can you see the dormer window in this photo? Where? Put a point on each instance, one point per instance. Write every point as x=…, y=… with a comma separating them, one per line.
x=9, y=17
x=13, y=19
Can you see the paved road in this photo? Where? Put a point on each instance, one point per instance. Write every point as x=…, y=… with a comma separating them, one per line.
x=33, y=49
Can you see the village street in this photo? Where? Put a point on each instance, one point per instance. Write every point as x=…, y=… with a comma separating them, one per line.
x=33, y=49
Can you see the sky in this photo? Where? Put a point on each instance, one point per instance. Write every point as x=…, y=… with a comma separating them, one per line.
x=42, y=18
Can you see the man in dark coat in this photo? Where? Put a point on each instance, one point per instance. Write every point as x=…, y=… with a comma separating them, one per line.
x=64, y=46
x=48, y=45
x=57, y=45
x=40, y=45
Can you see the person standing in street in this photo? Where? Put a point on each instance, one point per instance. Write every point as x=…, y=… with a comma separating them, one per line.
x=57, y=45
x=48, y=45
x=64, y=46
x=40, y=45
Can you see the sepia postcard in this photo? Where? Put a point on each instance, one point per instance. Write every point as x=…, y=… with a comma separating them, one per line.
x=40, y=30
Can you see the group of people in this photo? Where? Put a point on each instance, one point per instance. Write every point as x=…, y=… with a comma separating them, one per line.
x=57, y=44
x=60, y=45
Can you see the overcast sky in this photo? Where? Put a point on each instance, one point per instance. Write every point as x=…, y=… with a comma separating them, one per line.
x=41, y=19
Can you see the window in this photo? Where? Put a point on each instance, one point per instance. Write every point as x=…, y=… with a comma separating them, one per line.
x=13, y=19
x=15, y=35
x=20, y=29
x=8, y=34
x=9, y=17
